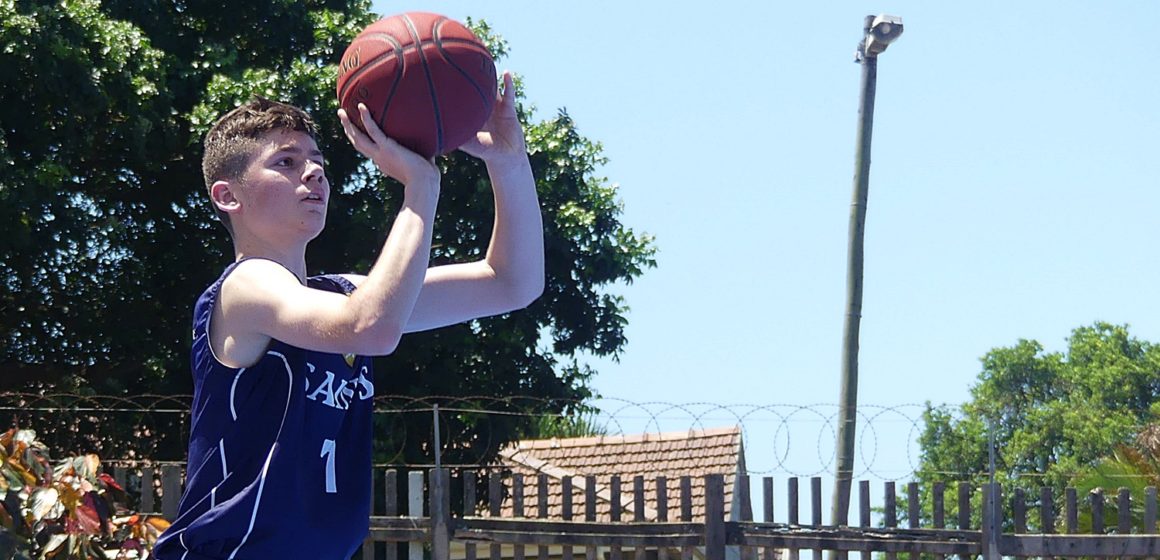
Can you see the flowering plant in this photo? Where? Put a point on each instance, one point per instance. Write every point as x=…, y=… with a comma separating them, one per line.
x=65, y=510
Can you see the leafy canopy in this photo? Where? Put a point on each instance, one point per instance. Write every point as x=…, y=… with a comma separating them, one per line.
x=1053, y=415
x=109, y=239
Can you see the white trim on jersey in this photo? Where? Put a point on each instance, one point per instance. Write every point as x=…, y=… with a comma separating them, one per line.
x=273, y=448
x=234, y=387
x=222, y=452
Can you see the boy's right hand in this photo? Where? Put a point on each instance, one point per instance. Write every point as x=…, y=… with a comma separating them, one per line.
x=392, y=158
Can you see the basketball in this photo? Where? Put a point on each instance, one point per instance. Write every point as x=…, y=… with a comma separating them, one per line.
x=427, y=80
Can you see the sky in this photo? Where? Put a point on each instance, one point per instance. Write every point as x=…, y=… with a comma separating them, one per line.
x=1013, y=194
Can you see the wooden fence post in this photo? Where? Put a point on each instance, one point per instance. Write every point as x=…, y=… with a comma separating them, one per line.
x=440, y=508
x=714, y=517
x=494, y=507
x=566, y=489
x=542, y=509
x=391, y=495
x=170, y=490
x=890, y=514
x=415, y=509
x=147, y=490
x=792, y=510
x=992, y=522
x=469, y=501
x=1150, y=510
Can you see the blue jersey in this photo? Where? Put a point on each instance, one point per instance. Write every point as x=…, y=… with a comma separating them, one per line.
x=279, y=453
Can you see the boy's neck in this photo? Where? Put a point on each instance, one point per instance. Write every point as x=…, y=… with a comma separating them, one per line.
x=294, y=261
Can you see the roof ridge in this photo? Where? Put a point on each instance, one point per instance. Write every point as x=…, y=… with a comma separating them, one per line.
x=626, y=439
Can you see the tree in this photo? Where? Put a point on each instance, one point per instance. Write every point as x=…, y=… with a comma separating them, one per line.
x=1053, y=415
x=103, y=108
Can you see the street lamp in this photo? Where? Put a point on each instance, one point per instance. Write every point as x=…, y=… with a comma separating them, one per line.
x=879, y=32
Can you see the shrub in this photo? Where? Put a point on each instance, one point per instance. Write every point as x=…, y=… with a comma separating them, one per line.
x=65, y=510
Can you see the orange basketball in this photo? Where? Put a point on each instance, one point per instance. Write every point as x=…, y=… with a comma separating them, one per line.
x=428, y=81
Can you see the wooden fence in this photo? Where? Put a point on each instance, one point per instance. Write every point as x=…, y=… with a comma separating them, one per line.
x=430, y=529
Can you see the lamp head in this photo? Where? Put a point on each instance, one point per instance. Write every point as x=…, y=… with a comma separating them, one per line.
x=884, y=29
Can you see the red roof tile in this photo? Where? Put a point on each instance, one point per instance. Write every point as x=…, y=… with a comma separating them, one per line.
x=693, y=453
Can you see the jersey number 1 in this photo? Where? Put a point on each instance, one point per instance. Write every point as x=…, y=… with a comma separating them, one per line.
x=328, y=452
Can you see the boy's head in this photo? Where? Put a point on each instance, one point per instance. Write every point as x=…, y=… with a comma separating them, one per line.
x=233, y=141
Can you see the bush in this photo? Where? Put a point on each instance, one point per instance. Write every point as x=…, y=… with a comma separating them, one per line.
x=68, y=511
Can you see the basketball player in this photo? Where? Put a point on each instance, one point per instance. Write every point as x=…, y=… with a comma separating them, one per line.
x=280, y=446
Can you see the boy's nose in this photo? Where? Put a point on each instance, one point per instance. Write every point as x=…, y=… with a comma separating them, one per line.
x=313, y=172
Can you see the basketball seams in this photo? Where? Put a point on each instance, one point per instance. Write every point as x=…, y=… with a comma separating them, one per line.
x=397, y=50
x=414, y=66
x=427, y=74
x=483, y=96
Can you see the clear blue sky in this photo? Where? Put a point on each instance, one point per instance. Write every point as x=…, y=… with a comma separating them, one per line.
x=1014, y=186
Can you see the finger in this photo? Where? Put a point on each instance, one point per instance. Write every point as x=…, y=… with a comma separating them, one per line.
x=357, y=137
x=373, y=130
x=508, y=95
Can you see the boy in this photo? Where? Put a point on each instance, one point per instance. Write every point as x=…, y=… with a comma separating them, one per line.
x=280, y=445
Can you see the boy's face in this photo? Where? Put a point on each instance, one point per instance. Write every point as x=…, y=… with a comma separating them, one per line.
x=284, y=190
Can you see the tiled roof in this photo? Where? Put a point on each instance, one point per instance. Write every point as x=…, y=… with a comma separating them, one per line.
x=694, y=453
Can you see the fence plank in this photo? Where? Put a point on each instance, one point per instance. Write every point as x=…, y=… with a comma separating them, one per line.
x=615, y=507
x=938, y=505
x=864, y=539
x=1046, y=511
x=1150, y=510
x=864, y=503
x=494, y=507
x=686, y=511
x=147, y=490
x=1081, y=545
x=542, y=509
x=518, y=509
x=439, y=494
x=1072, y=506
x=662, y=483
x=566, y=491
x=714, y=517
x=415, y=509
x=767, y=511
x=992, y=520
x=470, y=497
x=792, y=512
x=590, y=511
x=912, y=505
x=890, y=512
x=816, y=508
x=170, y=490
x=964, y=505
x=1019, y=510
x=391, y=495
x=1096, y=498
x=1124, y=512
x=741, y=494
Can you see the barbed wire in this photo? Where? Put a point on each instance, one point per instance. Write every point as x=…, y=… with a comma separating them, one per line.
x=779, y=439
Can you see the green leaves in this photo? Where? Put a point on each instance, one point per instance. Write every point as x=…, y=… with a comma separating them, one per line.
x=110, y=239
x=1055, y=415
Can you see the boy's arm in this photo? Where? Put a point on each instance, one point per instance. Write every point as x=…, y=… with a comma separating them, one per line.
x=511, y=275
x=261, y=300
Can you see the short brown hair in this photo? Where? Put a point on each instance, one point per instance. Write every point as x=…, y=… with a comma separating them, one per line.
x=229, y=145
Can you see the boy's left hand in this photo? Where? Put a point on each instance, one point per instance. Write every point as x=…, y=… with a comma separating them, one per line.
x=502, y=135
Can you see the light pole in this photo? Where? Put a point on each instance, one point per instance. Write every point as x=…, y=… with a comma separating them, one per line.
x=879, y=32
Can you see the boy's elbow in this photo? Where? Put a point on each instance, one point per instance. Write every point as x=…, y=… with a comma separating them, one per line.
x=380, y=340
x=528, y=293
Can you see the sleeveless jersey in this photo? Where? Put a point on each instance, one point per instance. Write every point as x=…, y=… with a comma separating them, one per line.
x=279, y=454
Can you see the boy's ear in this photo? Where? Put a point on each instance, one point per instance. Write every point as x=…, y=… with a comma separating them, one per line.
x=223, y=197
